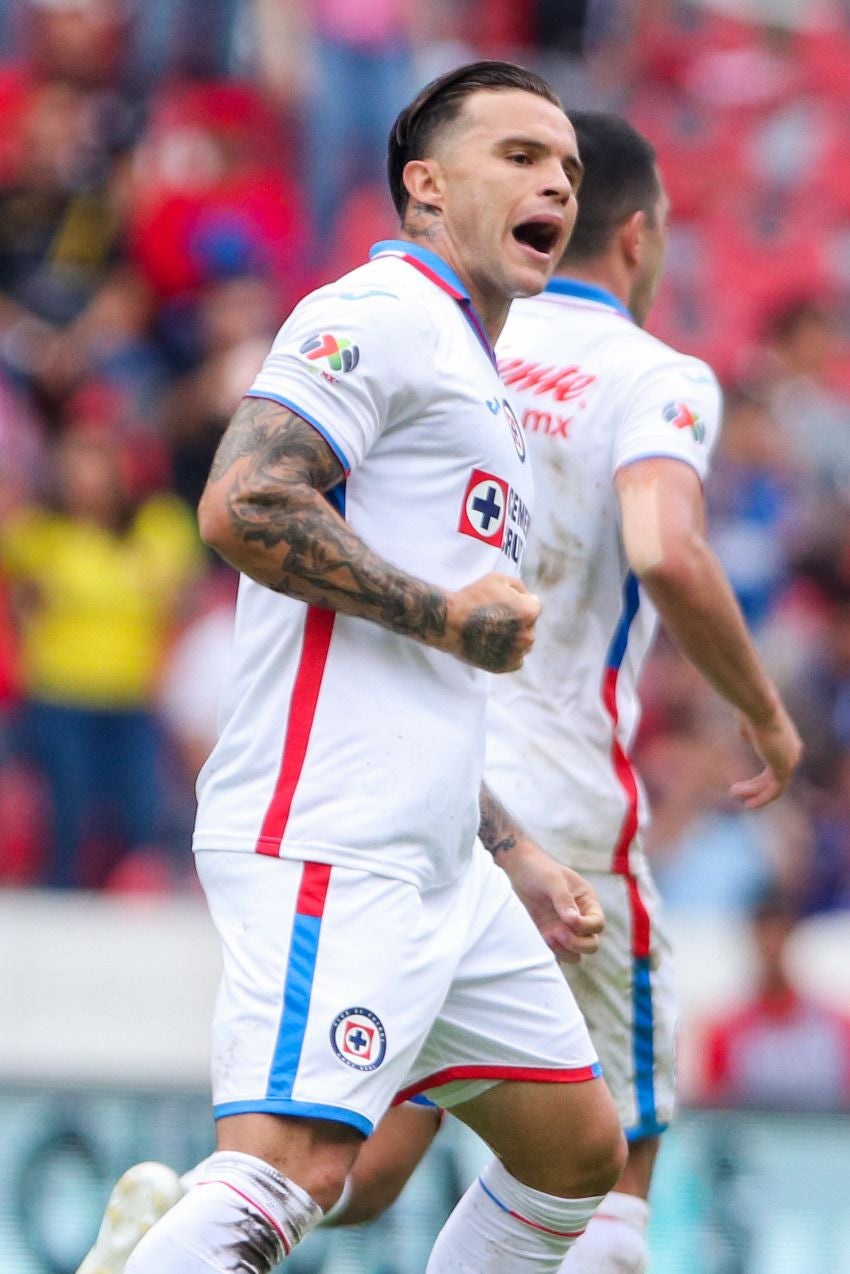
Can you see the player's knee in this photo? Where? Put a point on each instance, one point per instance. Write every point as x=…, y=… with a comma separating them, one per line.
x=593, y=1162
x=598, y=1160
x=588, y=1164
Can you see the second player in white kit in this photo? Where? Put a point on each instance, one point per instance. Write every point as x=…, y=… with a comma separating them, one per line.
x=620, y=429
x=595, y=393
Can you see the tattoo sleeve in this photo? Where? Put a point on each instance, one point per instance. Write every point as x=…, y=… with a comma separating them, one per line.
x=498, y=830
x=269, y=477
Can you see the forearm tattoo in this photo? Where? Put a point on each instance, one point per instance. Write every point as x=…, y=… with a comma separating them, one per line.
x=489, y=636
x=287, y=536
x=497, y=829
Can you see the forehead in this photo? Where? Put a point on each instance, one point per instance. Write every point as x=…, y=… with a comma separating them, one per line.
x=488, y=115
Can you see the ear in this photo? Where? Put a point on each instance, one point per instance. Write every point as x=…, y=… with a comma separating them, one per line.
x=632, y=234
x=423, y=180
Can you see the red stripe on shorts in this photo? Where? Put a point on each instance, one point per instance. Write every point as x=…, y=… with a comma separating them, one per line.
x=313, y=891
x=318, y=629
x=534, y=1074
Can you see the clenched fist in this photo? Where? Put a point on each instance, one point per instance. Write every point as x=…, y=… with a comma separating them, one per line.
x=490, y=623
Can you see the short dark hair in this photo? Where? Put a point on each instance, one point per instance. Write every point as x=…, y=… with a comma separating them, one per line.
x=620, y=178
x=439, y=103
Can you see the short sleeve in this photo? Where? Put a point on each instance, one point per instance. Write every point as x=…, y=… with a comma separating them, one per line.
x=352, y=364
x=674, y=410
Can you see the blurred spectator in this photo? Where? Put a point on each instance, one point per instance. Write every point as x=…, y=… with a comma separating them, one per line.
x=214, y=197
x=363, y=76
x=97, y=580
x=236, y=322
x=780, y=1049
x=751, y=502
x=708, y=854
x=802, y=350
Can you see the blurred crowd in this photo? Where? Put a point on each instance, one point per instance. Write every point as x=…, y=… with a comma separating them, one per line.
x=175, y=174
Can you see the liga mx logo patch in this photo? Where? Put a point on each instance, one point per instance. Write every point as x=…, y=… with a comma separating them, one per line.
x=683, y=417
x=334, y=353
x=359, y=1039
x=485, y=504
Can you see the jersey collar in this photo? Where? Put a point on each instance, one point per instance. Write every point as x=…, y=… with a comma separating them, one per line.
x=442, y=275
x=588, y=292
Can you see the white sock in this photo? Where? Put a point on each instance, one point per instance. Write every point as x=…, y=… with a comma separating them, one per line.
x=503, y=1227
x=615, y=1240
x=240, y=1214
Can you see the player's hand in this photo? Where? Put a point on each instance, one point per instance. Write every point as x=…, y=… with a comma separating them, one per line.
x=561, y=903
x=778, y=744
x=491, y=623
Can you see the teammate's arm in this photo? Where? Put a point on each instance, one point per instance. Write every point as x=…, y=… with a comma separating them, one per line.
x=264, y=510
x=662, y=512
x=560, y=901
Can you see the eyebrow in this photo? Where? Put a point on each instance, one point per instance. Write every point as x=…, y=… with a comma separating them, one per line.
x=572, y=164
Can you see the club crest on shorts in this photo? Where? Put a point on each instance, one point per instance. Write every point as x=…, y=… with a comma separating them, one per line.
x=359, y=1039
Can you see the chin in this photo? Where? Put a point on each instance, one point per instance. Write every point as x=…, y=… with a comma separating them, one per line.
x=530, y=281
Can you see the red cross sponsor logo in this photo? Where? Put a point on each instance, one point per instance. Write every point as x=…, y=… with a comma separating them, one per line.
x=484, y=507
x=358, y=1039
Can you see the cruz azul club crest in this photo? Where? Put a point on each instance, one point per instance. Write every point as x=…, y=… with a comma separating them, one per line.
x=359, y=1039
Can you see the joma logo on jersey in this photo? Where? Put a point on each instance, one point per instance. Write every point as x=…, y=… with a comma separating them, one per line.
x=562, y=383
x=334, y=353
x=684, y=417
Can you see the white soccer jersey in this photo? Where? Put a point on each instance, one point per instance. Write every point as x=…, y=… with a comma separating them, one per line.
x=342, y=742
x=594, y=392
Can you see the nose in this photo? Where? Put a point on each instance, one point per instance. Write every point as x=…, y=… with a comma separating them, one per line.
x=558, y=185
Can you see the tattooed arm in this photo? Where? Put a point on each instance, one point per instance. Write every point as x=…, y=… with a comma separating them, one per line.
x=265, y=512
x=560, y=902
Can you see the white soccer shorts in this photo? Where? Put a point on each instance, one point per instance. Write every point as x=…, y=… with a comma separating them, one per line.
x=343, y=990
x=627, y=993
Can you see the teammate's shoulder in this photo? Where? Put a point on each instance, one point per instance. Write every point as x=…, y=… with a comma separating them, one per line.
x=658, y=356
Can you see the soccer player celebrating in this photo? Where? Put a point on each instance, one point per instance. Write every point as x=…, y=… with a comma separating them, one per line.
x=620, y=429
x=374, y=491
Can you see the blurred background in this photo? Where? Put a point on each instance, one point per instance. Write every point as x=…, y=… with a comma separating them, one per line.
x=174, y=175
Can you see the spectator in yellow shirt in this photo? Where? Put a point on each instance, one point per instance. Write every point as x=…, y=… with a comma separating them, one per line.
x=98, y=581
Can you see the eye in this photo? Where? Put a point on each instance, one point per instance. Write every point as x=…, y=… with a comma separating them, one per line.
x=520, y=157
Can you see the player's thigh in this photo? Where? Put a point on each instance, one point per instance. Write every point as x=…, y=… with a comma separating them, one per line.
x=563, y=1139
x=627, y=994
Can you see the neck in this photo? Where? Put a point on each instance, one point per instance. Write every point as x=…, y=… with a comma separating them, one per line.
x=600, y=274
x=424, y=226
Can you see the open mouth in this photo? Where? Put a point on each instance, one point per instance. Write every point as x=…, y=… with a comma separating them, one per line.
x=540, y=236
